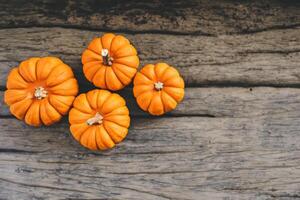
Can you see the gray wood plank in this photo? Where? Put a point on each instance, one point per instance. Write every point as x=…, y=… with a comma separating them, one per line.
x=202, y=17
x=220, y=102
x=162, y=158
x=270, y=58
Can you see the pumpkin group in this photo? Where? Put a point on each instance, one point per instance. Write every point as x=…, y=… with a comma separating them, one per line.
x=158, y=88
x=99, y=119
x=40, y=90
x=110, y=62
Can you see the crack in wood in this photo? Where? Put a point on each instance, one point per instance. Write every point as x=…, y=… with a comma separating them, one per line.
x=42, y=186
x=18, y=151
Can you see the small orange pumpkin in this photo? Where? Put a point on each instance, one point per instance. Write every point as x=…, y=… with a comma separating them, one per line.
x=158, y=88
x=99, y=119
x=110, y=62
x=40, y=90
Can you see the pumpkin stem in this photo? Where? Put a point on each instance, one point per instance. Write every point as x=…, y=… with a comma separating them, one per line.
x=107, y=60
x=158, y=85
x=40, y=93
x=97, y=119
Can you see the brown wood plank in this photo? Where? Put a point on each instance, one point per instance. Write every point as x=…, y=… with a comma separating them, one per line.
x=182, y=17
x=220, y=102
x=162, y=158
x=266, y=58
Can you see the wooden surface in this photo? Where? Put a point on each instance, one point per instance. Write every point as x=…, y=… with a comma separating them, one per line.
x=236, y=135
x=265, y=58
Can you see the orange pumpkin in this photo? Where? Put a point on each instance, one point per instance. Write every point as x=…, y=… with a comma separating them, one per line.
x=99, y=119
x=40, y=90
x=110, y=62
x=158, y=88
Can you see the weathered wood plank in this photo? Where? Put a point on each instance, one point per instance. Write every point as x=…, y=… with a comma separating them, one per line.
x=181, y=17
x=220, y=102
x=267, y=58
x=220, y=143
x=162, y=158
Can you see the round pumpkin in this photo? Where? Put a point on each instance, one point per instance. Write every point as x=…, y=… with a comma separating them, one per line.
x=40, y=90
x=99, y=119
x=110, y=62
x=158, y=88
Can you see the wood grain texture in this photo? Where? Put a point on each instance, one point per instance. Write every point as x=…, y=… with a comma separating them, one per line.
x=270, y=58
x=220, y=102
x=162, y=158
x=235, y=135
x=202, y=17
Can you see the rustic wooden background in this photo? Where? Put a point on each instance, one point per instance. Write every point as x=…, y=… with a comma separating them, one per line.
x=236, y=135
